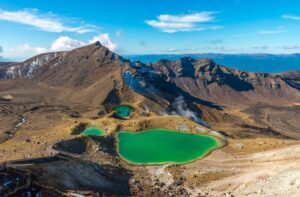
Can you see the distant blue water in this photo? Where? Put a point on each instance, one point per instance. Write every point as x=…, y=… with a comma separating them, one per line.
x=246, y=62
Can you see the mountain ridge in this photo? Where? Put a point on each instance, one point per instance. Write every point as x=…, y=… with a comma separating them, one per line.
x=263, y=63
x=203, y=79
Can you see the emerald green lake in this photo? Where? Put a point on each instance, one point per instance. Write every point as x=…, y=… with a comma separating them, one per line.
x=159, y=146
x=93, y=131
x=123, y=110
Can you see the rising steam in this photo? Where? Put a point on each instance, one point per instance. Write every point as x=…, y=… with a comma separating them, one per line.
x=182, y=109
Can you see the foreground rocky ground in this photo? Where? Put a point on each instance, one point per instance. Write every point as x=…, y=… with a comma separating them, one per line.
x=254, y=165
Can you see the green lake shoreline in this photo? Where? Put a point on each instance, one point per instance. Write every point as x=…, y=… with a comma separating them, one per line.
x=123, y=111
x=195, y=150
x=93, y=131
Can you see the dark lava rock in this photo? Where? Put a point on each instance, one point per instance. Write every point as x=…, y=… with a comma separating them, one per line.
x=76, y=145
x=13, y=180
x=79, y=128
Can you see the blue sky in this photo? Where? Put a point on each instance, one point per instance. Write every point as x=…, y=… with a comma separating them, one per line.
x=29, y=27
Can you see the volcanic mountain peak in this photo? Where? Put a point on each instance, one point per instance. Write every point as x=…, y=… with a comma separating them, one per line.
x=52, y=65
x=98, y=51
x=189, y=67
x=186, y=59
x=208, y=80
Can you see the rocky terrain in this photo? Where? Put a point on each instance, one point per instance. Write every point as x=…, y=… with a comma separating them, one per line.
x=46, y=101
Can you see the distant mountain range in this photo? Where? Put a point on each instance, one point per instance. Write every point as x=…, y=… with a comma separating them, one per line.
x=247, y=62
x=199, y=80
x=4, y=63
x=263, y=63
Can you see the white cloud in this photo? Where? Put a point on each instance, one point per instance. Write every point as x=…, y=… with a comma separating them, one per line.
x=24, y=50
x=276, y=31
x=263, y=47
x=290, y=47
x=188, y=18
x=106, y=41
x=27, y=48
x=188, y=22
x=203, y=49
x=46, y=22
x=291, y=17
x=182, y=50
x=173, y=50
x=170, y=27
x=62, y=43
x=65, y=43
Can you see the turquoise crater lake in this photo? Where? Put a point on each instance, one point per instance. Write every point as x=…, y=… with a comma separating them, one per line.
x=158, y=146
x=93, y=131
x=123, y=111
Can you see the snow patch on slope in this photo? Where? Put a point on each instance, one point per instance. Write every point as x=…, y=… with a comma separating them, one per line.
x=27, y=68
x=38, y=62
x=132, y=82
x=13, y=72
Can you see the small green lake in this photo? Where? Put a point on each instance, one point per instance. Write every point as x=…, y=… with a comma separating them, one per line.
x=93, y=131
x=157, y=146
x=123, y=111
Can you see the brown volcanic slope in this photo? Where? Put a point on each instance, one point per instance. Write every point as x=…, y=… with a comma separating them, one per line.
x=92, y=73
x=83, y=79
x=207, y=80
x=236, y=91
x=92, y=79
x=88, y=77
x=94, y=66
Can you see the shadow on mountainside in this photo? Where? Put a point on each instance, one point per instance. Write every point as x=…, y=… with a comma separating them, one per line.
x=172, y=91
